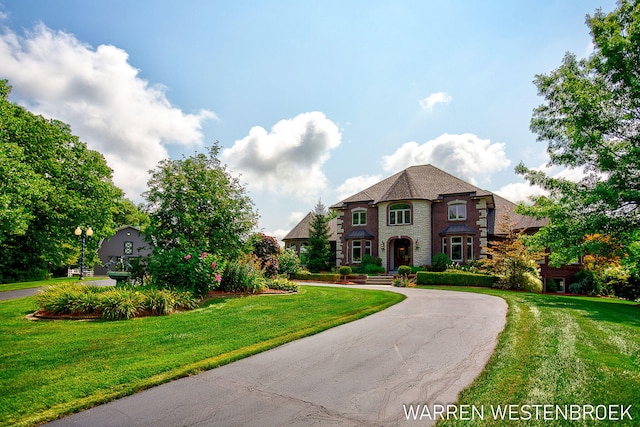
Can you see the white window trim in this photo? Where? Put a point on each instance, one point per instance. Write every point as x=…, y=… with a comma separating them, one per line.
x=461, y=245
x=353, y=247
x=358, y=212
x=394, y=213
x=456, y=203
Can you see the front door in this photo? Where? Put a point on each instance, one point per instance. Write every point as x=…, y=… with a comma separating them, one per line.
x=402, y=253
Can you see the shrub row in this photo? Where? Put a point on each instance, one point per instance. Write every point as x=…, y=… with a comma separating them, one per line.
x=112, y=303
x=454, y=279
x=320, y=277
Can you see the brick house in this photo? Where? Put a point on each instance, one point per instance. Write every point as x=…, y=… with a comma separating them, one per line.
x=408, y=217
x=298, y=237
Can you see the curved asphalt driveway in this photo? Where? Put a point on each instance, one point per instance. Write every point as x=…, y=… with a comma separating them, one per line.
x=424, y=350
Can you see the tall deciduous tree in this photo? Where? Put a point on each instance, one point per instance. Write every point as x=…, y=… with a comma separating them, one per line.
x=591, y=120
x=319, y=249
x=49, y=184
x=194, y=203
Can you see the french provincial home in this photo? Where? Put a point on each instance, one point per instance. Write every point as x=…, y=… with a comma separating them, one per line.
x=418, y=212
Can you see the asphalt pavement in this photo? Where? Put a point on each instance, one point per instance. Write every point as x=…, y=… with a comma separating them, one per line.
x=422, y=351
x=21, y=293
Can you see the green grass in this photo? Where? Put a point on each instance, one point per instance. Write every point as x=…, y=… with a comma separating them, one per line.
x=559, y=350
x=41, y=283
x=53, y=368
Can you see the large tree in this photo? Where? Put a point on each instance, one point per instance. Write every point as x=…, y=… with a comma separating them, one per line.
x=50, y=183
x=194, y=203
x=591, y=120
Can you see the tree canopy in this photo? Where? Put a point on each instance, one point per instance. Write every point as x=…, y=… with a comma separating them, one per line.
x=50, y=183
x=194, y=203
x=591, y=120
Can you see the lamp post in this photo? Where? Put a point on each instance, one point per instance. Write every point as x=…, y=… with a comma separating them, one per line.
x=87, y=233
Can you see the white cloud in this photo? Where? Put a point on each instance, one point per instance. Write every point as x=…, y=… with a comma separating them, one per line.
x=100, y=95
x=287, y=159
x=356, y=184
x=295, y=218
x=434, y=99
x=465, y=156
x=520, y=192
x=523, y=191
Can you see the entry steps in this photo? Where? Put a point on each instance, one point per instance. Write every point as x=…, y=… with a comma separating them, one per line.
x=385, y=279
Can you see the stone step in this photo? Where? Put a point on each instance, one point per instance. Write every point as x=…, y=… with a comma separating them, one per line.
x=380, y=280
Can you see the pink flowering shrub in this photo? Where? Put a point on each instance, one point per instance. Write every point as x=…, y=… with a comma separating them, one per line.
x=192, y=271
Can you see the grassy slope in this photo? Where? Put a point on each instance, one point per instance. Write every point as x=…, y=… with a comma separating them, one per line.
x=52, y=368
x=560, y=350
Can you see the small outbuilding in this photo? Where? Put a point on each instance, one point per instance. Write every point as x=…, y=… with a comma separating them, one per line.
x=127, y=242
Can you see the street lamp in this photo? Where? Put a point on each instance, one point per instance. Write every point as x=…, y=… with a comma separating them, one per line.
x=87, y=233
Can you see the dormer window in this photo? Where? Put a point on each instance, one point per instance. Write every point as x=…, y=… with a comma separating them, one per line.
x=400, y=214
x=457, y=211
x=359, y=217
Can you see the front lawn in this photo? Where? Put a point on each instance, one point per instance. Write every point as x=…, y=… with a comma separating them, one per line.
x=54, y=368
x=560, y=350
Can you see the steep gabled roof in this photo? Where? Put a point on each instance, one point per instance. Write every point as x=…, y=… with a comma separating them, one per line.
x=424, y=182
x=301, y=230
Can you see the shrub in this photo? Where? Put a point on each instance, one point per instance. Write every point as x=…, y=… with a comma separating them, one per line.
x=373, y=269
x=242, y=276
x=112, y=303
x=60, y=299
x=157, y=301
x=320, y=277
x=575, y=288
x=404, y=281
x=289, y=262
x=404, y=270
x=193, y=271
x=531, y=282
x=345, y=270
x=440, y=262
x=284, y=284
x=267, y=249
x=454, y=278
x=552, y=286
x=116, y=304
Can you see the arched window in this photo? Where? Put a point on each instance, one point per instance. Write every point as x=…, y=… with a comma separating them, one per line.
x=400, y=214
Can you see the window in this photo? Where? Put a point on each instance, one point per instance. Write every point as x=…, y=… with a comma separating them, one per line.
x=469, y=248
x=457, y=212
x=456, y=249
x=356, y=251
x=359, y=217
x=444, y=245
x=367, y=247
x=400, y=214
x=128, y=248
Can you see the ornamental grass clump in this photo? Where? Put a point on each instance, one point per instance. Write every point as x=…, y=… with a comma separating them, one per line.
x=242, y=276
x=112, y=303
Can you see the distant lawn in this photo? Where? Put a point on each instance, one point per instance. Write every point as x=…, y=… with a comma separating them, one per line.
x=53, y=368
x=41, y=283
x=560, y=350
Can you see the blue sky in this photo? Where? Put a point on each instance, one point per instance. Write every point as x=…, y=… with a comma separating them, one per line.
x=309, y=100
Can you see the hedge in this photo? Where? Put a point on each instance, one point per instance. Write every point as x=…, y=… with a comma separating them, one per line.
x=454, y=278
x=320, y=277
